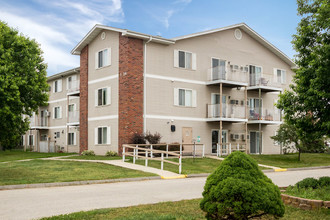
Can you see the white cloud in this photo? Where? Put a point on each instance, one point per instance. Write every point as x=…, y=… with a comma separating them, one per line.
x=59, y=25
x=167, y=18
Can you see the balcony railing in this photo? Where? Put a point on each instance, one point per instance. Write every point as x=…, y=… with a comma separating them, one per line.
x=73, y=116
x=228, y=111
x=264, y=80
x=73, y=86
x=234, y=75
x=267, y=114
x=38, y=121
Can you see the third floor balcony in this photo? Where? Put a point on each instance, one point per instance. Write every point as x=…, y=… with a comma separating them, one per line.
x=231, y=77
x=265, y=82
x=73, y=87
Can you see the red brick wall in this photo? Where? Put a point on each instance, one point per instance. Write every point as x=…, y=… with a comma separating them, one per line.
x=130, y=110
x=83, y=131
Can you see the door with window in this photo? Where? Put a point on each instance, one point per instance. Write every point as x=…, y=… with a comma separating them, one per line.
x=216, y=138
x=218, y=69
x=254, y=142
x=254, y=75
x=215, y=101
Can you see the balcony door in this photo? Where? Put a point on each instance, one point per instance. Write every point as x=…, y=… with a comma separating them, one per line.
x=254, y=75
x=254, y=142
x=218, y=69
x=215, y=101
x=216, y=138
x=254, y=104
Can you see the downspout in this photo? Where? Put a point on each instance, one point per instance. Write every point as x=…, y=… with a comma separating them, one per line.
x=145, y=85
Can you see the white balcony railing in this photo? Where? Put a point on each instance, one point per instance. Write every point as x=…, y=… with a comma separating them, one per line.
x=73, y=116
x=228, y=111
x=267, y=114
x=36, y=121
x=234, y=75
x=264, y=80
x=73, y=86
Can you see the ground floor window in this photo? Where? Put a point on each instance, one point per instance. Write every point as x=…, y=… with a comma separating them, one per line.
x=31, y=140
x=102, y=135
x=72, y=138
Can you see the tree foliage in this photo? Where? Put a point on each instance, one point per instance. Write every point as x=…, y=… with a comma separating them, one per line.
x=23, y=83
x=307, y=106
x=238, y=189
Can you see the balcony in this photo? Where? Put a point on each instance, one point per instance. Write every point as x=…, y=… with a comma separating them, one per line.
x=266, y=83
x=38, y=122
x=234, y=77
x=73, y=87
x=268, y=116
x=230, y=112
x=73, y=118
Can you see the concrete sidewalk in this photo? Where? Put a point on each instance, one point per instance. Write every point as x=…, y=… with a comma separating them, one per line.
x=164, y=174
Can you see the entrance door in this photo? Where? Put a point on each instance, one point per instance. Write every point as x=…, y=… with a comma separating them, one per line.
x=186, y=135
x=254, y=142
x=215, y=140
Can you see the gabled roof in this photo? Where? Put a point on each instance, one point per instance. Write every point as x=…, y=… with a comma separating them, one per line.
x=99, y=28
x=157, y=39
x=64, y=73
x=251, y=33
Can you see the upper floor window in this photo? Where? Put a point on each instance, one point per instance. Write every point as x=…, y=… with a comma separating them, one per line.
x=103, y=58
x=102, y=135
x=184, y=59
x=280, y=76
x=57, y=112
x=185, y=97
x=57, y=86
x=102, y=96
x=71, y=107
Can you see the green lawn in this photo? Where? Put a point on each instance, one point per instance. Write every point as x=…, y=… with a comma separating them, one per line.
x=322, y=193
x=21, y=155
x=186, y=209
x=291, y=160
x=93, y=158
x=41, y=171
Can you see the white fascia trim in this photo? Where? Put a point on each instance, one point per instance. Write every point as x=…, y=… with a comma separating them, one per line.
x=61, y=100
x=175, y=79
x=56, y=127
x=103, y=79
x=101, y=118
x=265, y=87
x=169, y=117
x=228, y=119
x=265, y=122
x=227, y=82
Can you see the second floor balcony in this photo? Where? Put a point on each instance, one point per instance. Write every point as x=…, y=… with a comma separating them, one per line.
x=38, y=122
x=265, y=82
x=230, y=112
x=232, y=77
x=267, y=116
x=73, y=87
x=73, y=117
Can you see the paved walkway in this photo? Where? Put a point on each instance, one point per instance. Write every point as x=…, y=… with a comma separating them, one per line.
x=36, y=203
x=261, y=165
x=164, y=174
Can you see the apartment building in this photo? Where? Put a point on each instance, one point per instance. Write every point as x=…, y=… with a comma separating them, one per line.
x=190, y=88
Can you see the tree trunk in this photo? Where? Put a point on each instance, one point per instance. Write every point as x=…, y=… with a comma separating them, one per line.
x=299, y=154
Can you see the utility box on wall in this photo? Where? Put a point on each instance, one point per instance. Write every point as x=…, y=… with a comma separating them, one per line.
x=173, y=128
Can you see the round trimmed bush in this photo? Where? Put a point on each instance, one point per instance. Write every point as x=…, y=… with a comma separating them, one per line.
x=238, y=189
x=324, y=181
x=308, y=183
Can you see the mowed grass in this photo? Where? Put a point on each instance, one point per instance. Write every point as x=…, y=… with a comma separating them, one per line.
x=22, y=155
x=291, y=160
x=186, y=209
x=93, y=158
x=189, y=165
x=43, y=171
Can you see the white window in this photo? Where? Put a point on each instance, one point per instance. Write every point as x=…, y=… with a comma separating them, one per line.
x=31, y=140
x=185, y=97
x=102, y=135
x=72, y=138
x=57, y=112
x=280, y=76
x=184, y=59
x=103, y=96
x=57, y=86
x=103, y=58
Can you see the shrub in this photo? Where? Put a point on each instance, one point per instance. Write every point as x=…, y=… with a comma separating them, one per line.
x=238, y=189
x=138, y=139
x=88, y=153
x=324, y=181
x=111, y=153
x=308, y=183
x=153, y=138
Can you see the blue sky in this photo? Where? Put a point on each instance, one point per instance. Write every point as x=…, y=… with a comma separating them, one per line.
x=59, y=25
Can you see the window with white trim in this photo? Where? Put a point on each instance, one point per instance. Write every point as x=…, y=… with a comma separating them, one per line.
x=71, y=107
x=103, y=96
x=103, y=58
x=184, y=59
x=185, y=97
x=102, y=135
x=57, y=86
x=280, y=76
x=31, y=140
x=72, y=138
x=57, y=112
